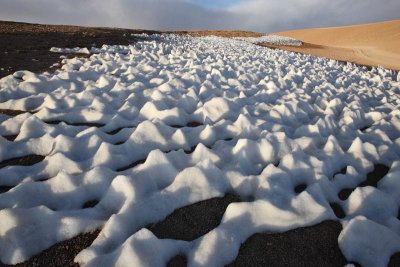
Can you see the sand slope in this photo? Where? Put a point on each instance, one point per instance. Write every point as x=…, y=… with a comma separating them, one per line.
x=369, y=44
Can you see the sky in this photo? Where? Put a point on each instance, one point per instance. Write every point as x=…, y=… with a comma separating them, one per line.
x=266, y=16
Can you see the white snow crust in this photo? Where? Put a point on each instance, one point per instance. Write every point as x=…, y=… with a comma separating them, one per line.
x=272, y=39
x=254, y=107
x=78, y=50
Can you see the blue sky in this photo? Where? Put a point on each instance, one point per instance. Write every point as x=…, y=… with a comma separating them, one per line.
x=266, y=16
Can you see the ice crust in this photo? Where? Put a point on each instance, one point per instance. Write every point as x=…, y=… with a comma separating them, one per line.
x=70, y=50
x=260, y=122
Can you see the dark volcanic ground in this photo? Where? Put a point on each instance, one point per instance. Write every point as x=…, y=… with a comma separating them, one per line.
x=26, y=46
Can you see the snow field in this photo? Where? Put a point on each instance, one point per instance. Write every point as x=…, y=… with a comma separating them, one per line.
x=271, y=39
x=176, y=120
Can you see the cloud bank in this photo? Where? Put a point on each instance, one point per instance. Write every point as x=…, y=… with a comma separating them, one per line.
x=255, y=15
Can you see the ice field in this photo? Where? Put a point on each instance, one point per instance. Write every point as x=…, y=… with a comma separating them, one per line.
x=173, y=120
x=271, y=39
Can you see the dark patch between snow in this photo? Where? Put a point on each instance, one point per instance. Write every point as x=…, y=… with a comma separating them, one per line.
x=373, y=178
x=300, y=188
x=62, y=253
x=120, y=143
x=10, y=137
x=363, y=129
x=376, y=175
x=88, y=124
x=309, y=246
x=190, y=222
x=337, y=209
x=24, y=161
x=11, y=112
x=192, y=149
x=4, y=189
x=114, y=132
x=189, y=124
x=90, y=204
x=394, y=260
x=342, y=171
x=134, y=164
x=177, y=261
x=345, y=193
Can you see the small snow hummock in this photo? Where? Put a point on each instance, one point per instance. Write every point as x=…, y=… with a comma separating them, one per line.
x=169, y=121
x=77, y=50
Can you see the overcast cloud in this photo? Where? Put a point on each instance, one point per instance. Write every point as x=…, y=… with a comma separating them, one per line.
x=255, y=15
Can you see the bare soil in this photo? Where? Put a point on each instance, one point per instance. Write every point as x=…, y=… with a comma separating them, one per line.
x=25, y=46
x=62, y=253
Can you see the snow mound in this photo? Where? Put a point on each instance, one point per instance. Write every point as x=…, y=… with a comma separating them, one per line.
x=78, y=50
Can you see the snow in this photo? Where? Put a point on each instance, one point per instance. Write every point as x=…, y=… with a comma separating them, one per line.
x=260, y=121
x=369, y=243
x=272, y=39
x=70, y=50
x=141, y=249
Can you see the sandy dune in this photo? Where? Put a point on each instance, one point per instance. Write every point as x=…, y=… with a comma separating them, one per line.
x=369, y=44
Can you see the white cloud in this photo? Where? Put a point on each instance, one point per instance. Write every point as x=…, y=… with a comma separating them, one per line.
x=279, y=15
x=256, y=15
